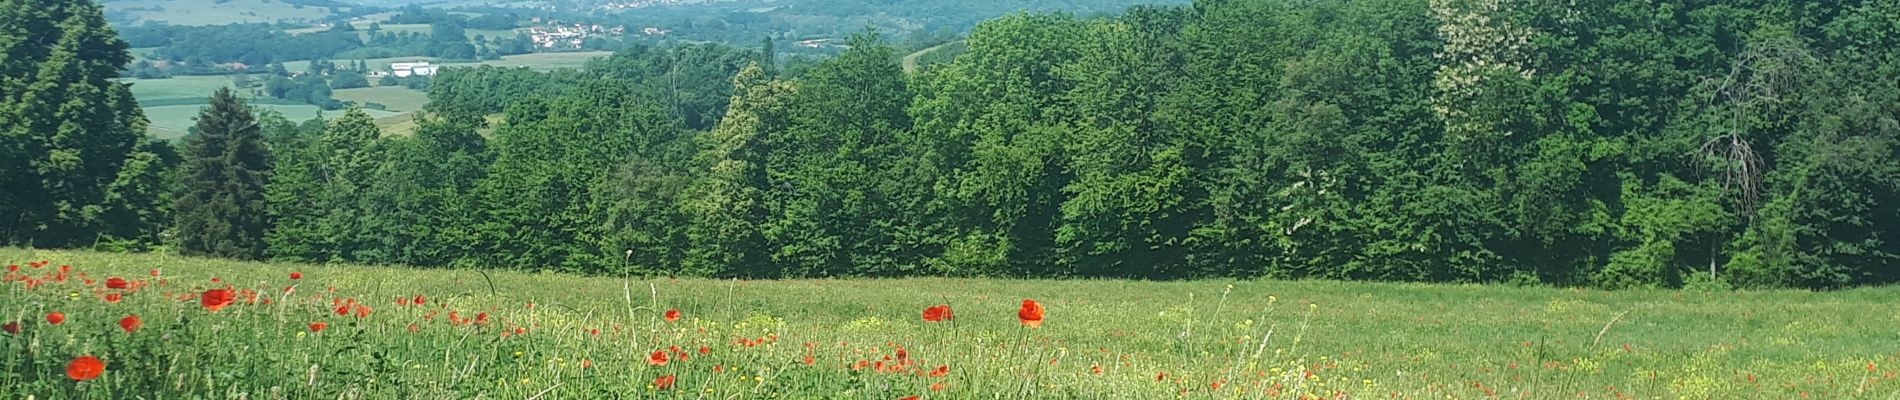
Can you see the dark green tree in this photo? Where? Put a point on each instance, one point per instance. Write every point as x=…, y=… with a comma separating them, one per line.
x=68, y=130
x=316, y=199
x=221, y=210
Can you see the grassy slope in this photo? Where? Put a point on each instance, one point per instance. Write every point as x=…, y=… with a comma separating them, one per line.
x=399, y=99
x=910, y=60
x=1365, y=339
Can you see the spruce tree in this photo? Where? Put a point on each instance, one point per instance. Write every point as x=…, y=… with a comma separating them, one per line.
x=221, y=210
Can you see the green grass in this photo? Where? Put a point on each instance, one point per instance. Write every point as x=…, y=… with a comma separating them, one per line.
x=172, y=121
x=176, y=87
x=172, y=104
x=211, y=12
x=1358, y=340
x=362, y=29
x=397, y=98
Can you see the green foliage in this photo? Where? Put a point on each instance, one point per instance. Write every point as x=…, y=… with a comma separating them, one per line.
x=348, y=79
x=692, y=82
x=1618, y=144
x=221, y=209
x=317, y=199
x=309, y=88
x=69, y=134
x=540, y=201
x=728, y=203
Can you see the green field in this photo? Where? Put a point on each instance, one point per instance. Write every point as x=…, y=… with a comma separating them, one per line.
x=172, y=104
x=564, y=336
x=362, y=29
x=397, y=98
x=212, y=12
x=402, y=101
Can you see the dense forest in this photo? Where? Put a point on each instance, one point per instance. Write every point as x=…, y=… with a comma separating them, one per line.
x=1636, y=143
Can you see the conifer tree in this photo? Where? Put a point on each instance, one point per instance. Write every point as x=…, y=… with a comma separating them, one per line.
x=221, y=209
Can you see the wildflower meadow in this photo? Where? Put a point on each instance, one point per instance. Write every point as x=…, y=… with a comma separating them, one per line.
x=107, y=326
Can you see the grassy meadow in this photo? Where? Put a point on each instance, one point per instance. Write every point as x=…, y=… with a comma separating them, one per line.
x=395, y=98
x=500, y=334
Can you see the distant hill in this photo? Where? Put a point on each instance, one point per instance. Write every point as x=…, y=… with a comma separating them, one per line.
x=216, y=12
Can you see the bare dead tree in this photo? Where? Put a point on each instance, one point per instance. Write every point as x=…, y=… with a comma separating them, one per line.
x=1761, y=76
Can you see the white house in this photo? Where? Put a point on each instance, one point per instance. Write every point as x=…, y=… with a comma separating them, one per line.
x=403, y=70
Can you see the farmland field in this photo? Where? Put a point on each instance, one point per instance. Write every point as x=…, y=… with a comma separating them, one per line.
x=516, y=335
x=170, y=104
x=211, y=12
x=398, y=98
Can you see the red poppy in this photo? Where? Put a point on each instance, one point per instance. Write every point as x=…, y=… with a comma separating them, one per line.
x=319, y=326
x=940, y=372
x=154, y=272
x=481, y=319
x=1030, y=314
x=1160, y=376
x=908, y=398
x=809, y=360
x=296, y=275
x=936, y=387
x=1095, y=369
x=117, y=283
x=672, y=315
x=11, y=327
x=362, y=311
x=130, y=323
x=85, y=368
x=216, y=299
x=13, y=268
x=586, y=363
x=664, y=382
x=114, y=297
x=519, y=330
x=703, y=350
x=657, y=359
x=937, y=313
x=55, y=318
x=421, y=300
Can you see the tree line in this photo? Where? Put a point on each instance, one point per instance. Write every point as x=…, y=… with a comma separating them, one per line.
x=1631, y=144
x=261, y=44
